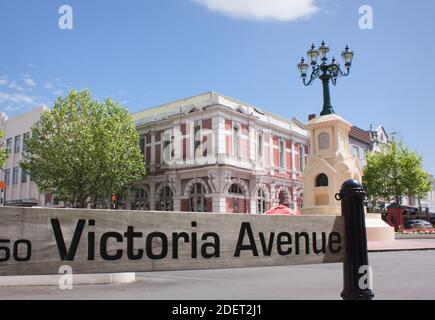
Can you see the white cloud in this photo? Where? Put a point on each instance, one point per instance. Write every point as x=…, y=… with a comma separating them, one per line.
x=49, y=86
x=29, y=81
x=13, y=101
x=17, y=93
x=281, y=10
x=13, y=85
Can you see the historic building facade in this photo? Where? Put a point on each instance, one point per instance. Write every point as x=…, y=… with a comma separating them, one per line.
x=212, y=153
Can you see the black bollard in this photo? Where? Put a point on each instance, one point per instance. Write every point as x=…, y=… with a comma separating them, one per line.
x=352, y=209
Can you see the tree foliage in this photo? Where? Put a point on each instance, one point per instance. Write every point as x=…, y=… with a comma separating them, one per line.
x=84, y=151
x=395, y=172
x=3, y=151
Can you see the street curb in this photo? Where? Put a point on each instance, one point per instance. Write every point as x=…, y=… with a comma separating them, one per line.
x=395, y=250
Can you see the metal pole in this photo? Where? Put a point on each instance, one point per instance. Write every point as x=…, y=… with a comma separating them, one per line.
x=327, y=108
x=352, y=208
x=4, y=195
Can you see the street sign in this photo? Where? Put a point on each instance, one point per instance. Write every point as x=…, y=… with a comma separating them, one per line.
x=40, y=241
x=46, y=241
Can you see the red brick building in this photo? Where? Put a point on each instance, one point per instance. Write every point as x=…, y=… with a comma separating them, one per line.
x=215, y=154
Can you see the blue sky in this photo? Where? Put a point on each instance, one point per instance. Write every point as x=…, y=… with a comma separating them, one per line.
x=145, y=53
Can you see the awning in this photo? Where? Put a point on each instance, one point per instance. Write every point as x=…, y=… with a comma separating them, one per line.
x=282, y=209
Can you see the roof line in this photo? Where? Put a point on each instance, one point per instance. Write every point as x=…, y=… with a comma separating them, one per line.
x=175, y=101
x=215, y=93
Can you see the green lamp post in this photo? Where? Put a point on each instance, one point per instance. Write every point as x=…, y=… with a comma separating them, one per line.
x=326, y=71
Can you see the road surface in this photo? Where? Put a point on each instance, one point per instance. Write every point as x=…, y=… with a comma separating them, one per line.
x=397, y=275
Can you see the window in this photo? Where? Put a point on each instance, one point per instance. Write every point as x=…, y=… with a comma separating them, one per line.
x=17, y=144
x=23, y=175
x=142, y=145
x=260, y=145
x=165, y=150
x=322, y=180
x=238, y=201
x=236, y=189
x=362, y=154
x=197, y=139
x=26, y=137
x=168, y=152
x=283, y=198
x=282, y=153
x=301, y=158
x=236, y=141
x=8, y=177
x=358, y=152
x=142, y=200
x=261, y=201
x=9, y=145
x=15, y=173
x=166, y=200
x=355, y=151
x=197, y=198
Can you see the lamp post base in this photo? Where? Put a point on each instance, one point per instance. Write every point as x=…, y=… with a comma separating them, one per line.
x=327, y=110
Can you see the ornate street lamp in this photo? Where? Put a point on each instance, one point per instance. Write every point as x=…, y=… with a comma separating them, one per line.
x=325, y=71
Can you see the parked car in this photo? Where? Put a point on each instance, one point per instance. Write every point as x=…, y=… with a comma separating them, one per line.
x=413, y=224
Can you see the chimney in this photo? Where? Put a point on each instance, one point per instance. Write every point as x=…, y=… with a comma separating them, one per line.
x=311, y=116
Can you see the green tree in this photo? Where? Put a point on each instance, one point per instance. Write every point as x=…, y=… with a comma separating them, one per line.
x=84, y=151
x=395, y=172
x=3, y=152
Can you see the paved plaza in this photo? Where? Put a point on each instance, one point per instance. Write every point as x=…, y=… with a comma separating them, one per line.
x=397, y=275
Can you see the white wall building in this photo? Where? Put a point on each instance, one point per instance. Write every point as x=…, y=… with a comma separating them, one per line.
x=20, y=190
x=379, y=139
x=359, y=144
x=429, y=201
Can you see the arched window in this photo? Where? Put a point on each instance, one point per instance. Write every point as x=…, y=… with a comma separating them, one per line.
x=166, y=199
x=142, y=201
x=197, y=198
x=236, y=189
x=261, y=201
x=322, y=180
x=238, y=201
x=284, y=198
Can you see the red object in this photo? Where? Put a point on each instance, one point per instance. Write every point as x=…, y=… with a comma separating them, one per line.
x=113, y=198
x=282, y=209
x=419, y=230
x=395, y=216
x=2, y=185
